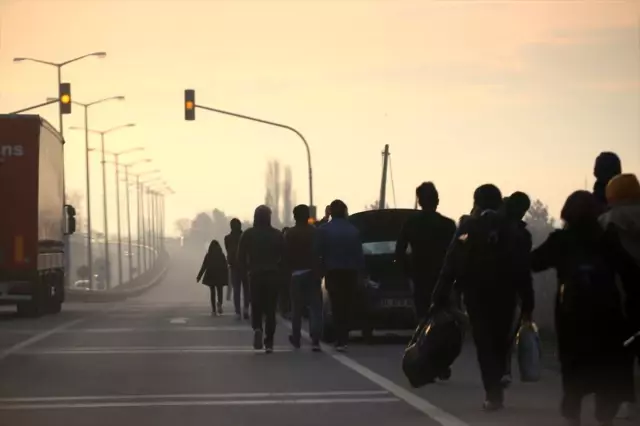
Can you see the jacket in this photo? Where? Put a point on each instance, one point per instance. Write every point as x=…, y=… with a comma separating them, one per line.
x=624, y=218
x=231, y=246
x=261, y=248
x=299, y=247
x=339, y=246
x=213, y=271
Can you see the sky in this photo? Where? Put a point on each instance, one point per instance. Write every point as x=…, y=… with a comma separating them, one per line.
x=523, y=94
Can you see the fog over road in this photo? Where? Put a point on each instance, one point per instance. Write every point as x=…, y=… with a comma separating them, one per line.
x=161, y=359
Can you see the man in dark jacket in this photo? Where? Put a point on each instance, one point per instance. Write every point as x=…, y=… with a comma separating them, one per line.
x=516, y=207
x=606, y=167
x=429, y=234
x=238, y=281
x=260, y=254
x=486, y=260
x=302, y=267
x=339, y=247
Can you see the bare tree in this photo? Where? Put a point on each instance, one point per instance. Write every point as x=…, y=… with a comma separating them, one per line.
x=182, y=225
x=273, y=190
x=287, y=201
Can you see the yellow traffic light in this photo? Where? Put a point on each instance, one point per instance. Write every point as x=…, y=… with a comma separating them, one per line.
x=189, y=104
x=64, y=95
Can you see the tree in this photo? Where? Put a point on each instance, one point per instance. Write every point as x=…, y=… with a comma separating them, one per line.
x=375, y=206
x=182, y=225
x=287, y=201
x=539, y=221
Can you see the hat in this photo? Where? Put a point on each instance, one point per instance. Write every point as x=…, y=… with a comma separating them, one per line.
x=623, y=187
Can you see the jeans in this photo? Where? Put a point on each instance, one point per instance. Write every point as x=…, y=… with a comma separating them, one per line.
x=264, y=291
x=342, y=286
x=306, y=290
x=239, y=284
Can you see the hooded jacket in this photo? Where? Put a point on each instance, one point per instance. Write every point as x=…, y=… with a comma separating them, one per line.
x=261, y=248
x=607, y=166
x=623, y=194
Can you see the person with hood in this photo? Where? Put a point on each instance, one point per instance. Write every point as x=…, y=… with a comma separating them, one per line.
x=260, y=255
x=429, y=234
x=515, y=207
x=306, y=287
x=486, y=261
x=214, y=274
x=339, y=248
x=623, y=218
x=606, y=167
x=590, y=319
x=239, y=282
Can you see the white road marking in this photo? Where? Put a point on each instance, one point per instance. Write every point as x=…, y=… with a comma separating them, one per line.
x=254, y=395
x=178, y=321
x=146, y=350
x=199, y=403
x=435, y=413
x=38, y=337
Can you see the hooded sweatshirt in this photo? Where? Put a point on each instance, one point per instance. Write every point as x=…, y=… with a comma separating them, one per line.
x=607, y=166
x=623, y=195
x=261, y=248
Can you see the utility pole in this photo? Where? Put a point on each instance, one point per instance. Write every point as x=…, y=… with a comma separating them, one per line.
x=383, y=185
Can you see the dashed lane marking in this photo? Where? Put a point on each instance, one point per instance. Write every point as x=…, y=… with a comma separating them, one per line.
x=435, y=413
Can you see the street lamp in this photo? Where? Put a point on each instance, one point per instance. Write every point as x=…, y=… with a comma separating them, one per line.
x=126, y=180
x=161, y=193
x=59, y=66
x=104, y=187
x=116, y=156
x=86, y=106
x=141, y=225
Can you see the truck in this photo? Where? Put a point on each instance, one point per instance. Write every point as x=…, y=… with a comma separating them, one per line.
x=34, y=218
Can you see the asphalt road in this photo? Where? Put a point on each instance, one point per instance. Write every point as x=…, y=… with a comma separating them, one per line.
x=161, y=359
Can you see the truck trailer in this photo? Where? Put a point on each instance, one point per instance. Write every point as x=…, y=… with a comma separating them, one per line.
x=34, y=218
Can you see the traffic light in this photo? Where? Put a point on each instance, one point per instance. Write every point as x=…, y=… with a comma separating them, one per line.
x=65, y=98
x=189, y=104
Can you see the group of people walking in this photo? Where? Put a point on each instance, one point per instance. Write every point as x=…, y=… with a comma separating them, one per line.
x=485, y=261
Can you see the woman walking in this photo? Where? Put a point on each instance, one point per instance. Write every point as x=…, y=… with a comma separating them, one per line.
x=214, y=274
x=590, y=320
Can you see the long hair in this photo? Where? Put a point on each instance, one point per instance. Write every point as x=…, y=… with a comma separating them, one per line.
x=215, y=249
x=581, y=208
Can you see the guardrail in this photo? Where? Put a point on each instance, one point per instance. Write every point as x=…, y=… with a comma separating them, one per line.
x=135, y=287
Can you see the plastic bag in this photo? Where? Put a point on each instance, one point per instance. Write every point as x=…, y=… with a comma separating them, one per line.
x=434, y=347
x=529, y=352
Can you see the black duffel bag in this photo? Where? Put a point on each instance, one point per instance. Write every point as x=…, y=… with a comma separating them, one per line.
x=434, y=347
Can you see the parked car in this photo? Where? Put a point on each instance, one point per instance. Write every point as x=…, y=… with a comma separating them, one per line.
x=385, y=297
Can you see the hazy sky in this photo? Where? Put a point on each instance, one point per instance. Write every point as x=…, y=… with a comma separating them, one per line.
x=520, y=93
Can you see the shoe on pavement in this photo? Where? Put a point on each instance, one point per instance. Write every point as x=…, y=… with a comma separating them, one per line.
x=220, y=308
x=238, y=316
x=627, y=411
x=257, y=340
x=268, y=349
x=246, y=315
x=506, y=381
x=315, y=346
x=294, y=342
x=445, y=375
x=492, y=405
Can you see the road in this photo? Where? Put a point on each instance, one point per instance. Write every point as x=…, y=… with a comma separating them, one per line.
x=161, y=359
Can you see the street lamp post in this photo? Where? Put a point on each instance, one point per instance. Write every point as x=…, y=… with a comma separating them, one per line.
x=104, y=193
x=116, y=156
x=59, y=66
x=142, y=227
x=86, y=106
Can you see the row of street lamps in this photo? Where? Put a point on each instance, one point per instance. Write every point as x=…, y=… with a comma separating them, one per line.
x=151, y=233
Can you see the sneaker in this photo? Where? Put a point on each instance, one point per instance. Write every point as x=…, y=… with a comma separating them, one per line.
x=315, y=346
x=257, y=339
x=492, y=405
x=246, y=314
x=294, y=342
x=220, y=308
x=627, y=411
x=506, y=381
x=445, y=375
x=268, y=349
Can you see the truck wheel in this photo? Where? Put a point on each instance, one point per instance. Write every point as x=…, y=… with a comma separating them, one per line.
x=34, y=308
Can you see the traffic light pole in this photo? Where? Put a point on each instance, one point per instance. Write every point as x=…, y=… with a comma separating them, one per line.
x=34, y=107
x=271, y=123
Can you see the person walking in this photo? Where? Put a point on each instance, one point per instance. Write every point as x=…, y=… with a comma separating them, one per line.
x=239, y=282
x=306, y=287
x=339, y=247
x=429, y=234
x=590, y=314
x=213, y=273
x=485, y=261
x=607, y=165
x=260, y=255
x=623, y=218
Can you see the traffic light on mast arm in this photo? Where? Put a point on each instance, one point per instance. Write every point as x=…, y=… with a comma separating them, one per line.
x=65, y=98
x=189, y=104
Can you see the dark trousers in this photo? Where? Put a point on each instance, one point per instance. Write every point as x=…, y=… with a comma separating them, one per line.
x=264, y=299
x=306, y=291
x=215, y=294
x=491, y=328
x=342, y=286
x=240, y=289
